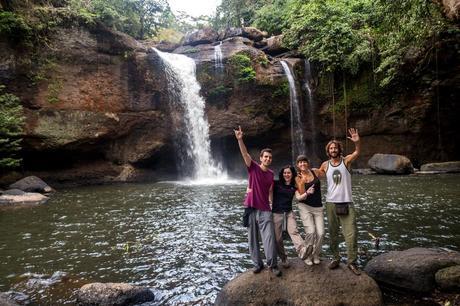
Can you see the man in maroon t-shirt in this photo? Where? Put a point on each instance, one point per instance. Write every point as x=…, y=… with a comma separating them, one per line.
x=259, y=197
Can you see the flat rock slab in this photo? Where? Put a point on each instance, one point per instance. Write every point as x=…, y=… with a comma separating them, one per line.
x=113, y=294
x=301, y=285
x=446, y=167
x=27, y=198
x=413, y=269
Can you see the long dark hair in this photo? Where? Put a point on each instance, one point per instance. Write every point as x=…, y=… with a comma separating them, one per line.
x=294, y=174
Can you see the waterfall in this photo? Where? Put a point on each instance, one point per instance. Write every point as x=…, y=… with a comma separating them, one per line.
x=183, y=86
x=311, y=113
x=218, y=64
x=297, y=137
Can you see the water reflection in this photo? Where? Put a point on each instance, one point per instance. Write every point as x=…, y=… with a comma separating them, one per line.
x=186, y=241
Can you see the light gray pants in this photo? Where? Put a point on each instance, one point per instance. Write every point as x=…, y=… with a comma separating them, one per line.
x=261, y=222
x=313, y=222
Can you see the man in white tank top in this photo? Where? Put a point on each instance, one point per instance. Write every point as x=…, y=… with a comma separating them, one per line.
x=339, y=201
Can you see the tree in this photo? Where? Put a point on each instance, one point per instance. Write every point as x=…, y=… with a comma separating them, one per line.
x=11, y=129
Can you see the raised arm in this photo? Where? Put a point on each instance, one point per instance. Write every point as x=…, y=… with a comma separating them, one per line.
x=321, y=171
x=354, y=136
x=243, y=150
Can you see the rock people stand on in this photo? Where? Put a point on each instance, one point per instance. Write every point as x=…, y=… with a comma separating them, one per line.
x=339, y=203
x=283, y=192
x=310, y=206
x=258, y=197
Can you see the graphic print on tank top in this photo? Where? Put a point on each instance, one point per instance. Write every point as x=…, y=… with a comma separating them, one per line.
x=337, y=177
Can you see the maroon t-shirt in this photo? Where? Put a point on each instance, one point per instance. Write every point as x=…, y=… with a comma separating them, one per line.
x=259, y=182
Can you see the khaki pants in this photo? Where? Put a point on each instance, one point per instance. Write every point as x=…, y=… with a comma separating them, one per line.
x=313, y=222
x=349, y=231
x=292, y=230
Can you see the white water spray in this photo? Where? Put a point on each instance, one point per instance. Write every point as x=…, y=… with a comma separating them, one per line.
x=182, y=82
x=297, y=137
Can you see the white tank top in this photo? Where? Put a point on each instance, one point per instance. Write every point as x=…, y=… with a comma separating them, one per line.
x=338, y=183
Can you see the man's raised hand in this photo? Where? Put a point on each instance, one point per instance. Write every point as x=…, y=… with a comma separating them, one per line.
x=354, y=136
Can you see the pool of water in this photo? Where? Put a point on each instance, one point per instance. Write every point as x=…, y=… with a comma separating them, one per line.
x=186, y=241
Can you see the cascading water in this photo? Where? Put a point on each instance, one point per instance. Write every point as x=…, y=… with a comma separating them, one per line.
x=311, y=112
x=218, y=64
x=182, y=84
x=297, y=137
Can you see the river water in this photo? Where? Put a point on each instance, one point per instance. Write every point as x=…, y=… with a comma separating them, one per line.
x=186, y=241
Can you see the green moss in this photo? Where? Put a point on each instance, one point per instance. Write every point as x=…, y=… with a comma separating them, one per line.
x=241, y=64
x=250, y=111
x=191, y=50
x=46, y=67
x=54, y=88
x=263, y=60
x=218, y=91
x=362, y=94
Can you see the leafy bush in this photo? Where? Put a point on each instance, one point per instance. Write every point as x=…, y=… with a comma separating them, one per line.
x=282, y=90
x=14, y=27
x=11, y=126
x=242, y=65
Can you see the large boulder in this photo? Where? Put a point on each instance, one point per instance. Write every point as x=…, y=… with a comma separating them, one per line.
x=448, y=278
x=390, y=164
x=447, y=167
x=413, y=269
x=254, y=33
x=301, y=285
x=230, y=32
x=32, y=184
x=113, y=294
x=275, y=45
x=201, y=36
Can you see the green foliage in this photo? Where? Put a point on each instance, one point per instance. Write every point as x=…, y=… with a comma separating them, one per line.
x=263, y=60
x=282, y=90
x=169, y=35
x=336, y=34
x=218, y=91
x=45, y=67
x=11, y=126
x=272, y=17
x=14, y=27
x=230, y=13
x=403, y=26
x=242, y=65
x=54, y=88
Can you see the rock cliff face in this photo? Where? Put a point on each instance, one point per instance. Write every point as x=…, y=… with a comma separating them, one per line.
x=96, y=106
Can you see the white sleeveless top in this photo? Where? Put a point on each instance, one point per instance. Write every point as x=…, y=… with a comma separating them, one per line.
x=338, y=183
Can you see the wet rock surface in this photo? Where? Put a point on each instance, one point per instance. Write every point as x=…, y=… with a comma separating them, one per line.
x=390, y=164
x=301, y=285
x=113, y=294
x=32, y=184
x=26, y=198
x=449, y=278
x=447, y=167
x=413, y=269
